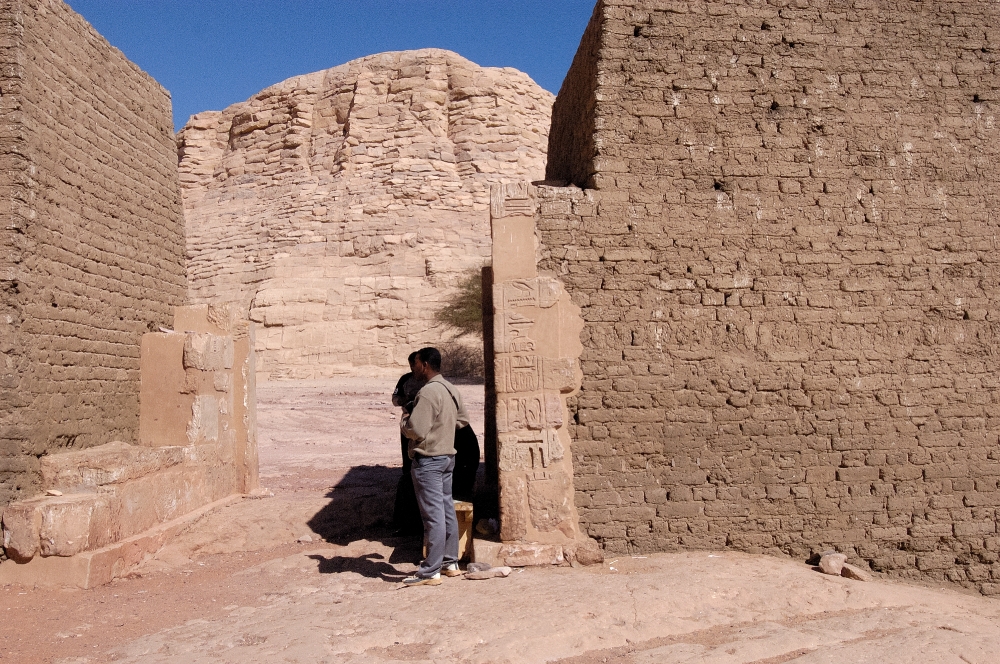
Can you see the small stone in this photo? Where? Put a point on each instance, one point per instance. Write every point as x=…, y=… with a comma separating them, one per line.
x=852, y=572
x=53, y=492
x=478, y=567
x=492, y=573
x=585, y=552
x=304, y=539
x=487, y=527
x=832, y=563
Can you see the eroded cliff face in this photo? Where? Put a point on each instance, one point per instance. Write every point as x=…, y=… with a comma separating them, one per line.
x=340, y=207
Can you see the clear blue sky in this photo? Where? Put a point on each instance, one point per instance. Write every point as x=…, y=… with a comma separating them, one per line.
x=213, y=53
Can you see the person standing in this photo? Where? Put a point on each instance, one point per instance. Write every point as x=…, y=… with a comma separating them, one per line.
x=405, y=512
x=430, y=427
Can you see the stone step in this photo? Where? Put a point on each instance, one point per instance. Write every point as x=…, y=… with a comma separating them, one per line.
x=113, y=463
x=101, y=506
x=94, y=568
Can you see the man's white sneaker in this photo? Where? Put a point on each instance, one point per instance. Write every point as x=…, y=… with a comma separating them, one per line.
x=452, y=570
x=422, y=581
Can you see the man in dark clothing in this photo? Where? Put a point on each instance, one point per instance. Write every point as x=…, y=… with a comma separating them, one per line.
x=406, y=512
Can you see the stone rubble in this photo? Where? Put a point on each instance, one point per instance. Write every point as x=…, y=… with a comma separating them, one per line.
x=849, y=571
x=340, y=207
x=832, y=563
x=491, y=573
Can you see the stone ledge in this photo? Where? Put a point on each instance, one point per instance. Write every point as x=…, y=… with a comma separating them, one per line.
x=113, y=463
x=533, y=554
x=95, y=568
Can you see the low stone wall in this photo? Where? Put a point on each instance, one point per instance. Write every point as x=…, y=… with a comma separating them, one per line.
x=105, y=508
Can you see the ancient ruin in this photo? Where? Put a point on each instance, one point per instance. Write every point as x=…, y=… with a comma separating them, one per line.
x=340, y=207
x=93, y=237
x=779, y=222
x=129, y=413
x=532, y=367
x=751, y=306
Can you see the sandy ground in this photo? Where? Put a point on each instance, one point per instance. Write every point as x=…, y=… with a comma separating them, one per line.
x=312, y=575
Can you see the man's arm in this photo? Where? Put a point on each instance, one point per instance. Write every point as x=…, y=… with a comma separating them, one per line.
x=462, y=419
x=417, y=424
x=398, y=394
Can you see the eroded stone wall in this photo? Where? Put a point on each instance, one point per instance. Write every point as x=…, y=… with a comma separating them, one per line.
x=343, y=207
x=93, y=236
x=789, y=275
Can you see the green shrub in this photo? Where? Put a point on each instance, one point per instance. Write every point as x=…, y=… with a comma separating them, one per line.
x=459, y=360
x=464, y=312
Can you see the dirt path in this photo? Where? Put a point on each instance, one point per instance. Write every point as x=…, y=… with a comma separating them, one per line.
x=311, y=575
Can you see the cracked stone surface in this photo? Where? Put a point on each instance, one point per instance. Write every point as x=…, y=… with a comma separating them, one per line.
x=341, y=208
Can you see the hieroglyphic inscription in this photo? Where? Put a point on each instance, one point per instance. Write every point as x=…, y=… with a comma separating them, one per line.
x=518, y=373
x=537, y=411
x=511, y=335
x=510, y=199
x=541, y=292
x=530, y=451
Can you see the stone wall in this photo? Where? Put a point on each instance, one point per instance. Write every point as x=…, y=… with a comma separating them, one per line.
x=571, y=139
x=789, y=271
x=92, y=237
x=343, y=207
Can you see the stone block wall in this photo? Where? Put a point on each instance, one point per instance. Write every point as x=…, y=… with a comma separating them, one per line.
x=788, y=272
x=92, y=239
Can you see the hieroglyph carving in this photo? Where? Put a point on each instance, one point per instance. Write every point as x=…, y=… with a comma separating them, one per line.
x=541, y=292
x=518, y=373
x=511, y=199
x=536, y=350
x=533, y=412
x=529, y=451
x=511, y=335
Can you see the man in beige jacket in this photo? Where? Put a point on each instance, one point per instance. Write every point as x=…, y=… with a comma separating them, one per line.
x=430, y=427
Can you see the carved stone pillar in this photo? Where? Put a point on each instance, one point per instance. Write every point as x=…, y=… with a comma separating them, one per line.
x=536, y=350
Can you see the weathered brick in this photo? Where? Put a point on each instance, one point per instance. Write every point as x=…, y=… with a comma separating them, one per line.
x=98, y=194
x=884, y=393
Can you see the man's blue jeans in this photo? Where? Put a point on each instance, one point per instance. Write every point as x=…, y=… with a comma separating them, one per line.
x=432, y=483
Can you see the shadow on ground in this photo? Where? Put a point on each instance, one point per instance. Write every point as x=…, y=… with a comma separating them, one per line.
x=371, y=565
x=360, y=507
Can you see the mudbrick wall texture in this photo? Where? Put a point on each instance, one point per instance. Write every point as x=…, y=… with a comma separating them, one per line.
x=92, y=238
x=787, y=262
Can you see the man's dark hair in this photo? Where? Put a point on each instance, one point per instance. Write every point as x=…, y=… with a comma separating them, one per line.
x=431, y=357
x=411, y=357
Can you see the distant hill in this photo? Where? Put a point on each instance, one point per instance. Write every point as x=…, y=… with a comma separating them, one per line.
x=340, y=207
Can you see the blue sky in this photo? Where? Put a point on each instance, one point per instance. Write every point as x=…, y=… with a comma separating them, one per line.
x=213, y=53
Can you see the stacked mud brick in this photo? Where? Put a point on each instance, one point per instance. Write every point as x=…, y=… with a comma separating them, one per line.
x=342, y=208
x=91, y=240
x=786, y=258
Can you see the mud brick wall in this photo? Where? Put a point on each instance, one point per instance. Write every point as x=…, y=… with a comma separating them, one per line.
x=571, y=138
x=789, y=273
x=92, y=236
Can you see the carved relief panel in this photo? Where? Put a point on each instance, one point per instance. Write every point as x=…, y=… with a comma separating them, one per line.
x=536, y=349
